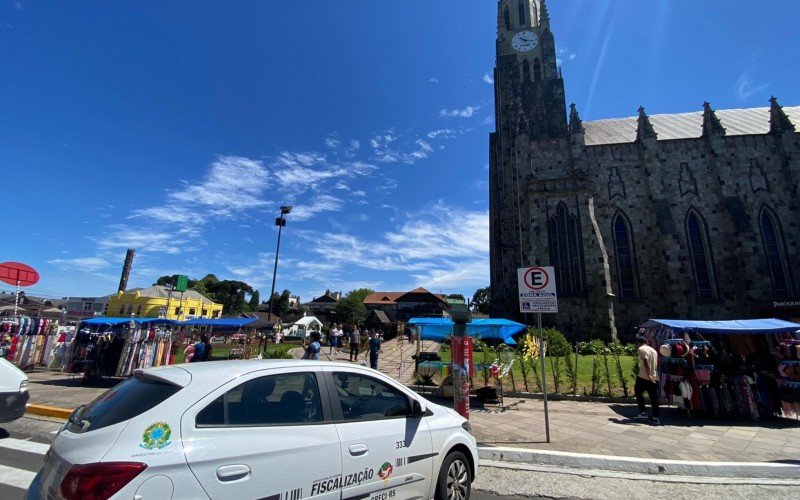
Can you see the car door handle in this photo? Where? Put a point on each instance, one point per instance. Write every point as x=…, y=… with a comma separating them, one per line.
x=232, y=472
x=358, y=449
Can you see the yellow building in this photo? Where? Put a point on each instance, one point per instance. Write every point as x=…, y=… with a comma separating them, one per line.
x=158, y=302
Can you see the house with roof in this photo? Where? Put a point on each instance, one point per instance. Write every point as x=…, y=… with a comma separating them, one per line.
x=402, y=306
x=160, y=302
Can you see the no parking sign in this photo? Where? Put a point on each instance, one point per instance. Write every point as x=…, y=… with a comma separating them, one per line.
x=537, y=290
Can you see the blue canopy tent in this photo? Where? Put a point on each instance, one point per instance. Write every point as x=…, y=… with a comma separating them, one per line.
x=732, y=327
x=486, y=328
x=120, y=321
x=221, y=323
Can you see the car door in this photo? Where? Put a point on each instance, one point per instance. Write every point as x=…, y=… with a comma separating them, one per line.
x=266, y=435
x=386, y=452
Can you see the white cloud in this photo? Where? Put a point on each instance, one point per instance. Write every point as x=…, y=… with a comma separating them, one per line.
x=488, y=79
x=233, y=184
x=120, y=236
x=443, y=133
x=342, y=186
x=332, y=142
x=441, y=246
x=488, y=120
x=572, y=56
x=89, y=264
x=434, y=80
x=459, y=113
x=746, y=86
x=173, y=215
x=322, y=203
x=359, y=193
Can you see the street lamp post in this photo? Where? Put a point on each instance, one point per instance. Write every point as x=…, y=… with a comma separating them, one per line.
x=280, y=222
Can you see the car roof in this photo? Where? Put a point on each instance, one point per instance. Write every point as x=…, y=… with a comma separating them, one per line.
x=213, y=370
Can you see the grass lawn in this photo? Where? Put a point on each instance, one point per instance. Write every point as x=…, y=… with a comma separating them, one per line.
x=585, y=370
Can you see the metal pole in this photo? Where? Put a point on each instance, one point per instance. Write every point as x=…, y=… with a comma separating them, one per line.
x=544, y=376
x=16, y=298
x=275, y=271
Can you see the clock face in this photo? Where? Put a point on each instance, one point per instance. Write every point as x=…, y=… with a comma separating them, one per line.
x=524, y=41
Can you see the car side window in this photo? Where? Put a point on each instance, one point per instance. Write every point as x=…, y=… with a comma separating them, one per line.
x=284, y=399
x=366, y=398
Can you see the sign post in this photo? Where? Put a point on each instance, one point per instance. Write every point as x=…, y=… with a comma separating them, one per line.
x=537, y=293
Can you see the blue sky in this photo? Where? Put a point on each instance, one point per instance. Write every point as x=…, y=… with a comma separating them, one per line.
x=180, y=127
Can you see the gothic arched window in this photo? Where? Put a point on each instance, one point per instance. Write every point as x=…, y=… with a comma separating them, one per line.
x=534, y=15
x=521, y=7
x=566, y=251
x=526, y=72
x=507, y=19
x=774, y=251
x=537, y=70
x=700, y=253
x=626, y=258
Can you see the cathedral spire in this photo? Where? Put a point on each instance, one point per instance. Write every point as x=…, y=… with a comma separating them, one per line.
x=644, y=129
x=711, y=124
x=778, y=121
x=544, y=17
x=575, y=123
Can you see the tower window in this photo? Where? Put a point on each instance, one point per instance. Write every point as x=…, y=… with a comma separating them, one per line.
x=626, y=260
x=566, y=251
x=776, y=262
x=522, y=19
x=537, y=70
x=526, y=72
x=507, y=19
x=700, y=253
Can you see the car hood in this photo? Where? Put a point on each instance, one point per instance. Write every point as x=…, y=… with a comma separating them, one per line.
x=10, y=376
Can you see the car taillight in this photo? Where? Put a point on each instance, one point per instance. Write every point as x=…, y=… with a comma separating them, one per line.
x=98, y=481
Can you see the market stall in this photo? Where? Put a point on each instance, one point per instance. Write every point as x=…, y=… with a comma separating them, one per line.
x=117, y=346
x=238, y=329
x=427, y=364
x=28, y=342
x=728, y=369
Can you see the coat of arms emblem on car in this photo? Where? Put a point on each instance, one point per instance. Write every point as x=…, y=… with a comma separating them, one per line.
x=156, y=436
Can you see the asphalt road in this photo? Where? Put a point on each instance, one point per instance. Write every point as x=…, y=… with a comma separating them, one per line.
x=24, y=442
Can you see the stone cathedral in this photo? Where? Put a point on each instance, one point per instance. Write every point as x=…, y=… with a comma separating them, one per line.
x=690, y=216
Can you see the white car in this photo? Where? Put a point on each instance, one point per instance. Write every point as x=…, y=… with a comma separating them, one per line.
x=266, y=429
x=13, y=391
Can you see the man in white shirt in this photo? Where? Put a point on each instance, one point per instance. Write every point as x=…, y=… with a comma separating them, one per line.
x=647, y=380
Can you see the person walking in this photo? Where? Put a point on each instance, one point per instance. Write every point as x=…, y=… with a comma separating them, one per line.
x=355, y=342
x=332, y=338
x=647, y=380
x=374, y=349
x=314, y=348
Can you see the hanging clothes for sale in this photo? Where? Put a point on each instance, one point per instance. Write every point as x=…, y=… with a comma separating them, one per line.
x=728, y=369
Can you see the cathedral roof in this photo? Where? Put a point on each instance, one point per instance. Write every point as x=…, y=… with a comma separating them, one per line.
x=748, y=121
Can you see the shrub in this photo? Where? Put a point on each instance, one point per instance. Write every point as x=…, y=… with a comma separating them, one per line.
x=591, y=348
x=280, y=351
x=557, y=344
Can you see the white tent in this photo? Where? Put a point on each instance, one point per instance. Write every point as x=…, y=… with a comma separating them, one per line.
x=303, y=327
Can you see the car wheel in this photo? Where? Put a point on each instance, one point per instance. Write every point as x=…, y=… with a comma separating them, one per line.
x=454, y=481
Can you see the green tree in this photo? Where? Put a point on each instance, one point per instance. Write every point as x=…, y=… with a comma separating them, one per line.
x=280, y=303
x=456, y=296
x=481, y=301
x=351, y=308
x=254, y=298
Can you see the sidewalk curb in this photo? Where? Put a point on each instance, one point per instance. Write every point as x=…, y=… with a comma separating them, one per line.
x=48, y=411
x=759, y=470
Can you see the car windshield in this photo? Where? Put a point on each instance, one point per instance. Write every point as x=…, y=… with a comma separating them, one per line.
x=122, y=402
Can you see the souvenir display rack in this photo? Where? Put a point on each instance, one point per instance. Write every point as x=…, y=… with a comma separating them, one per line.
x=114, y=347
x=728, y=369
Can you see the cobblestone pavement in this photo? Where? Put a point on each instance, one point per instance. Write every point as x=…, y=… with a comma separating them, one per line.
x=582, y=427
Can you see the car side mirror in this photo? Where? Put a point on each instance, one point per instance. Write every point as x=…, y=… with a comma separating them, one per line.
x=417, y=409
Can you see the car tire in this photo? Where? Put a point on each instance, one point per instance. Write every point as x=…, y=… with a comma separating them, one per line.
x=455, y=478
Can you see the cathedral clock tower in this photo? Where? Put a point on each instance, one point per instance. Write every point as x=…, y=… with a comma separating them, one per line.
x=527, y=78
x=531, y=124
